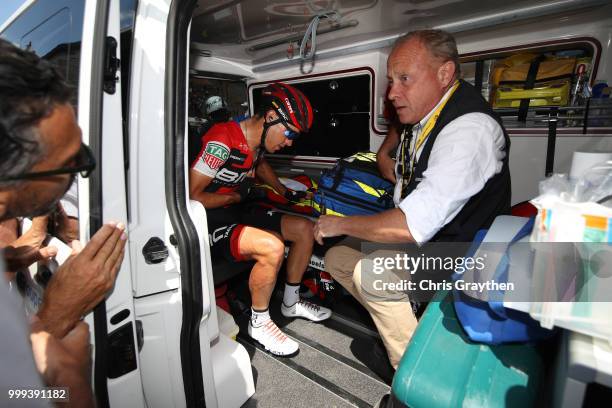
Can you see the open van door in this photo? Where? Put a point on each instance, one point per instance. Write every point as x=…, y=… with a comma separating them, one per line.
x=156, y=337
x=184, y=360
x=82, y=40
x=102, y=198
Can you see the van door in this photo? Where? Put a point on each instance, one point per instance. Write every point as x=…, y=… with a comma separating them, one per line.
x=82, y=40
x=117, y=379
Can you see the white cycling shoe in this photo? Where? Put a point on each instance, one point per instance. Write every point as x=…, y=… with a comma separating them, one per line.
x=273, y=339
x=307, y=310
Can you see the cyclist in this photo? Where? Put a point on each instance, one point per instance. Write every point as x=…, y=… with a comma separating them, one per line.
x=221, y=177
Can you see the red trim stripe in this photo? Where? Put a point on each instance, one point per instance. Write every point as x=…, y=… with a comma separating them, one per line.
x=235, y=243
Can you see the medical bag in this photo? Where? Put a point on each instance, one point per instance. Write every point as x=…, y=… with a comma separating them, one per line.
x=353, y=186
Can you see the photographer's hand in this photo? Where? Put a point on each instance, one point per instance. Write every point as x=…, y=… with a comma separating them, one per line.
x=65, y=362
x=83, y=280
x=28, y=249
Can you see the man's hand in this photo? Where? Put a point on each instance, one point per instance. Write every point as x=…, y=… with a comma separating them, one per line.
x=65, y=362
x=83, y=280
x=28, y=249
x=234, y=198
x=245, y=187
x=249, y=191
x=65, y=227
x=386, y=166
x=327, y=226
x=295, y=196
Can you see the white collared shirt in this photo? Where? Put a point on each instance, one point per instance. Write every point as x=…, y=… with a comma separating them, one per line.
x=466, y=154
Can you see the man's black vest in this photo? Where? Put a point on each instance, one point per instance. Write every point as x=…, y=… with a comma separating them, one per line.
x=494, y=199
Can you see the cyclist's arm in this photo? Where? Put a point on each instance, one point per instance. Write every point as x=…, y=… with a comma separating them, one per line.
x=265, y=172
x=198, y=182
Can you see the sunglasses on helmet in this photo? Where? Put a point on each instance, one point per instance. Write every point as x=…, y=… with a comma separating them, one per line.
x=289, y=134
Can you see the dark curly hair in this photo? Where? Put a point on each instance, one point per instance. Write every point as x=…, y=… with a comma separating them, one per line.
x=30, y=88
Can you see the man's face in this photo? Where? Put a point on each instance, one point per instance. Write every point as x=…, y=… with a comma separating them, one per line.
x=276, y=139
x=60, y=138
x=417, y=81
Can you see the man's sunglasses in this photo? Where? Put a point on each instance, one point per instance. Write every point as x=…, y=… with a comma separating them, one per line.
x=85, y=163
x=289, y=134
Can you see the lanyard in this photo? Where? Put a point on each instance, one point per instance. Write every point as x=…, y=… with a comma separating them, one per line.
x=407, y=172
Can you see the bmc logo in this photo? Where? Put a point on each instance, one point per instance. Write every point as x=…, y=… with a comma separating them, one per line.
x=228, y=176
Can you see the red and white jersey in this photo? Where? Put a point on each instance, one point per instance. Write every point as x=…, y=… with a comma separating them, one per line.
x=226, y=157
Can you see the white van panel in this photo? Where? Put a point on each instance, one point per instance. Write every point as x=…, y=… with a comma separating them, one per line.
x=225, y=66
x=162, y=379
x=161, y=359
x=147, y=149
x=527, y=159
x=233, y=372
x=127, y=387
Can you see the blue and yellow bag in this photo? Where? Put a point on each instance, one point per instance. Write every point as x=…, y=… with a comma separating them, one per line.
x=353, y=186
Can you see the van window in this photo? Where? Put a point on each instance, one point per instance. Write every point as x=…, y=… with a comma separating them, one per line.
x=128, y=18
x=53, y=30
x=128, y=15
x=341, y=124
x=563, y=71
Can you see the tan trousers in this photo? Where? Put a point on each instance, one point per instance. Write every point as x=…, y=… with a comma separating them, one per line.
x=394, y=318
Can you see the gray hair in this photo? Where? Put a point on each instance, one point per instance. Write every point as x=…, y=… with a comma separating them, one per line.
x=30, y=88
x=19, y=162
x=440, y=44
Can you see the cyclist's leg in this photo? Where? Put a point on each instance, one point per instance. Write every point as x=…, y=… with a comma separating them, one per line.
x=298, y=231
x=267, y=250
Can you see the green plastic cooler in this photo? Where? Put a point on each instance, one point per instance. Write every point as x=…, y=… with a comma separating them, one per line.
x=443, y=368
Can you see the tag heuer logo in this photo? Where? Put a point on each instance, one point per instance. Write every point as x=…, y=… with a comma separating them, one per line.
x=216, y=155
x=218, y=150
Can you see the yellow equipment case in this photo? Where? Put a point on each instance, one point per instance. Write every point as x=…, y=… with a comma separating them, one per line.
x=551, y=85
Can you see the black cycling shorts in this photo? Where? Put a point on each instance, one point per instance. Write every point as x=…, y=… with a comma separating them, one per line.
x=226, y=224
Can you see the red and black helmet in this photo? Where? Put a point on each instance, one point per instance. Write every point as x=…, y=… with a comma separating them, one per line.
x=289, y=103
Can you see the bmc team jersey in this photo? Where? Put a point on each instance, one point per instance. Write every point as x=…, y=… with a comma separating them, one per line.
x=225, y=156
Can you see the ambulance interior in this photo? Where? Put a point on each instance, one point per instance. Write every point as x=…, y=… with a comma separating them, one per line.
x=237, y=47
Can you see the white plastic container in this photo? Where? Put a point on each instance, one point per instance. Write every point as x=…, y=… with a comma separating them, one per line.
x=227, y=325
x=589, y=318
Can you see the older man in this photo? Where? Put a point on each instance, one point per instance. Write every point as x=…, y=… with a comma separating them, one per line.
x=40, y=154
x=452, y=173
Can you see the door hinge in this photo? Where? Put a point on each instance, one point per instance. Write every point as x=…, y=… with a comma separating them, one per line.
x=111, y=66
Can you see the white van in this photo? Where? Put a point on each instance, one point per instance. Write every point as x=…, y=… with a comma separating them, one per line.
x=143, y=68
